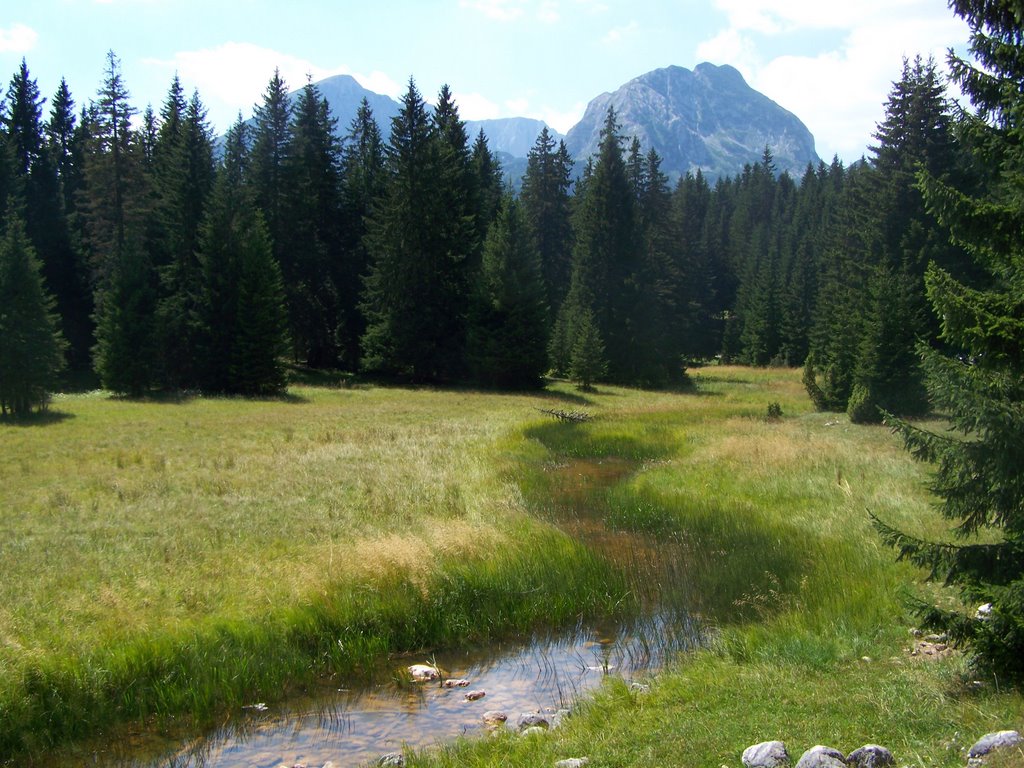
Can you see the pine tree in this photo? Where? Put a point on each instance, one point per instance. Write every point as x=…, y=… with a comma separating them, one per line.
x=605, y=254
x=587, y=362
x=36, y=187
x=981, y=384
x=118, y=211
x=362, y=185
x=507, y=340
x=31, y=347
x=311, y=249
x=183, y=177
x=546, y=205
x=421, y=236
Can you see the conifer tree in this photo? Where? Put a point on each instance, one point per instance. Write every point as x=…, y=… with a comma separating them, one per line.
x=362, y=185
x=980, y=385
x=507, y=340
x=587, y=362
x=31, y=346
x=546, y=205
x=118, y=211
x=420, y=238
x=605, y=255
x=35, y=187
x=182, y=178
x=311, y=250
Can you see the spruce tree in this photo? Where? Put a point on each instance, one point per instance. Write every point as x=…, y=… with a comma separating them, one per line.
x=31, y=346
x=310, y=252
x=362, y=185
x=421, y=237
x=507, y=339
x=587, y=362
x=980, y=385
x=547, y=207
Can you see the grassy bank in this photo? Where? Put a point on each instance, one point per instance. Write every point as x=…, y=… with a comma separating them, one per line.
x=184, y=557
x=770, y=522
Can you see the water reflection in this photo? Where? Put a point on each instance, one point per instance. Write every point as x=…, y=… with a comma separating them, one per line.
x=547, y=672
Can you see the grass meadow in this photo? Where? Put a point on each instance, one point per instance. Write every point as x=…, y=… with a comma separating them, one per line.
x=181, y=557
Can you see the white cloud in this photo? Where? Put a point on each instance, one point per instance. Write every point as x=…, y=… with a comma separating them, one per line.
x=618, y=34
x=548, y=13
x=838, y=93
x=473, y=106
x=233, y=77
x=17, y=38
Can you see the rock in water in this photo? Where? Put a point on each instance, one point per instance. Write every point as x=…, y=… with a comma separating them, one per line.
x=822, y=757
x=870, y=756
x=392, y=760
x=494, y=717
x=455, y=682
x=767, y=754
x=475, y=695
x=424, y=672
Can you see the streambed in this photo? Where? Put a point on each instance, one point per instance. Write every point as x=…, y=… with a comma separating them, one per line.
x=548, y=671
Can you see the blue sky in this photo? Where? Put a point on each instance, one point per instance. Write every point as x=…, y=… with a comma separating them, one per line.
x=831, y=63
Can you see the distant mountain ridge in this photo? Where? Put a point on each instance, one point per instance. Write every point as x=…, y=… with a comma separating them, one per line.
x=708, y=118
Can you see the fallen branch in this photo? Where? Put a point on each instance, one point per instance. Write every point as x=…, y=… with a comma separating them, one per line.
x=572, y=417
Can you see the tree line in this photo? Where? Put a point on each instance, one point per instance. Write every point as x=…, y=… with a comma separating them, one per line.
x=169, y=258
x=147, y=253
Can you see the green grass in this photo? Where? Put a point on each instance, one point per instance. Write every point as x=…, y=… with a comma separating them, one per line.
x=182, y=557
x=769, y=522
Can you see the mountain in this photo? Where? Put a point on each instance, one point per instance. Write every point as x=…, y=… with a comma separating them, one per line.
x=512, y=135
x=344, y=94
x=708, y=118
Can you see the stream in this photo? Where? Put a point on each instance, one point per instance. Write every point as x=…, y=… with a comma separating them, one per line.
x=547, y=672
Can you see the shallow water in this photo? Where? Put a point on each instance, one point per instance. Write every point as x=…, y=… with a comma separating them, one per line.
x=352, y=727
x=547, y=672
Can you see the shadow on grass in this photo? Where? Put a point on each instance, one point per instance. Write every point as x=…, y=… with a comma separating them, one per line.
x=184, y=397
x=36, y=419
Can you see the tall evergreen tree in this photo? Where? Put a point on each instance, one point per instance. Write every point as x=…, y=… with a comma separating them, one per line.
x=507, y=340
x=118, y=211
x=981, y=385
x=605, y=256
x=31, y=347
x=183, y=177
x=36, y=188
x=420, y=239
x=362, y=185
x=546, y=205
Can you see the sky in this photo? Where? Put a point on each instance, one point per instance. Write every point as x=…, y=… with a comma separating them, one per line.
x=830, y=62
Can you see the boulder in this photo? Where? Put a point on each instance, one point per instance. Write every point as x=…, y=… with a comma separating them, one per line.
x=822, y=757
x=993, y=741
x=391, y=760
x=533, y=730
x=424, y=672
x=532, y=720
x=767, y=754
x=494, y=717
x=870, y=756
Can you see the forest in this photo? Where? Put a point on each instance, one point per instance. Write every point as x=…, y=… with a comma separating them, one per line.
x=163, y=257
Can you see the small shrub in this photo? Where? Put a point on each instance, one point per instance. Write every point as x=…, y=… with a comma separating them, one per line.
x=774, y=412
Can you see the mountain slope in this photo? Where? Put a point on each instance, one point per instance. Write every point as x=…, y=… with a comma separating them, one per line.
x=708, y=118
